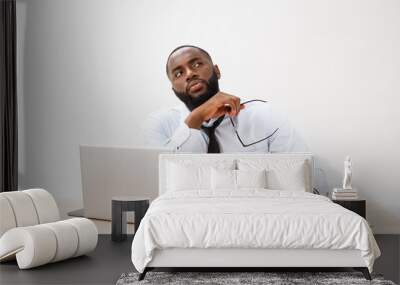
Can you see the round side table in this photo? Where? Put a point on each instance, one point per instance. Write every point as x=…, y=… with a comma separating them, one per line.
x=122, y=204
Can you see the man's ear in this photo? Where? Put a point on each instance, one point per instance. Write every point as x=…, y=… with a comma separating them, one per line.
x=216, y=69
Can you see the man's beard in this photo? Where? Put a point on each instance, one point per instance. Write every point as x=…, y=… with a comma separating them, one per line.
x=192, y=103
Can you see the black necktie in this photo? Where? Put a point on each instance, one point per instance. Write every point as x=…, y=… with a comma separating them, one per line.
x=213, y=146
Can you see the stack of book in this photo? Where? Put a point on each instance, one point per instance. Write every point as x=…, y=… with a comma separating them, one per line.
x=344, y=194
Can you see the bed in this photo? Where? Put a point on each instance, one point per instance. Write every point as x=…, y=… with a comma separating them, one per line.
x=247, y=210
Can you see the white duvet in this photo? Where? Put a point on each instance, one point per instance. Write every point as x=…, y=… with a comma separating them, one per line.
x=250, y=218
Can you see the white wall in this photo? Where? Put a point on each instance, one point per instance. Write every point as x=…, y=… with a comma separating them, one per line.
x=90, y=70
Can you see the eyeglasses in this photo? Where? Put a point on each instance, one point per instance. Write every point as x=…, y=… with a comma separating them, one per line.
x=258, y=141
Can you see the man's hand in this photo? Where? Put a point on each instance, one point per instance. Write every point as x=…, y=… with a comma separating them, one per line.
x=218, y=105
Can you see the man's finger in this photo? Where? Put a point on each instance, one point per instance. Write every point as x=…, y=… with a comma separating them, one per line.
x=237, y=106
x=235, y=110
x=231, y=104
x=229, y=109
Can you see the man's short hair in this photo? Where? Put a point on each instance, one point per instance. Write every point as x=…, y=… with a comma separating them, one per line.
x=186, y=46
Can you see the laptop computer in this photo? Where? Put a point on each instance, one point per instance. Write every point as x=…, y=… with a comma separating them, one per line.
x=116, y=171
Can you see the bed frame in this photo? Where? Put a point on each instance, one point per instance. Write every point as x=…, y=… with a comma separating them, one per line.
x=247, y=259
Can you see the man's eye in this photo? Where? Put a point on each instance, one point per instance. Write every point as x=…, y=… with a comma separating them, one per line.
x=196, y=64
x=178, y=74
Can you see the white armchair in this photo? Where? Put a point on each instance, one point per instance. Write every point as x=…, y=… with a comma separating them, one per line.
x=31, y=230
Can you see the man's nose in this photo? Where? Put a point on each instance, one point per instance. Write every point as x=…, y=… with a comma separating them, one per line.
x=190, y=75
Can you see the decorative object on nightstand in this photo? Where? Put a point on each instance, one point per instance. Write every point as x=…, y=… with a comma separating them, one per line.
x=358, y=206
x=347, y=173
x=346, y=192
x=122, y=204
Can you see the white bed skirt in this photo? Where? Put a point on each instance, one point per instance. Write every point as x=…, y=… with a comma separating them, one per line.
x=235, y=257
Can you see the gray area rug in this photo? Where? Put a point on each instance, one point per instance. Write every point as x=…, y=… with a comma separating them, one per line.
x=225, y=278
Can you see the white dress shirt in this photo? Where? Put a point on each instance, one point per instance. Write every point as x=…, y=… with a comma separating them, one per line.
x=167, y=129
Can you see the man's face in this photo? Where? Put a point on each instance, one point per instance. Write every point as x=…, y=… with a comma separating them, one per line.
x=193, y=76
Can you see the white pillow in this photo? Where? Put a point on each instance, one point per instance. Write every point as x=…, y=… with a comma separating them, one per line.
x=282, y=174
x=183, y=178
x=223, y=179
x=287, y=179
x=193, y=175
x=227, y=179
x=251, y=178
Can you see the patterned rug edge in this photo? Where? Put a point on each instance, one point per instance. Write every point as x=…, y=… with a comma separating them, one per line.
x=269, y=278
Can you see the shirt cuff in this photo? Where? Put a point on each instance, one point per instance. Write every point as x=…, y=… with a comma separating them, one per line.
x=186, y=139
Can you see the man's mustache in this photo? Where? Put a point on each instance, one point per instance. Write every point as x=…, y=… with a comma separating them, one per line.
x=196, y=80
x=192, y=103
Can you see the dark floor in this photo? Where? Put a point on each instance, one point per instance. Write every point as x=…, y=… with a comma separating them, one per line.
x=102, y=266
x=110, y=260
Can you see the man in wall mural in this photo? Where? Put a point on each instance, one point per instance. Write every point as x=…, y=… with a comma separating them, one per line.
x=211, y=120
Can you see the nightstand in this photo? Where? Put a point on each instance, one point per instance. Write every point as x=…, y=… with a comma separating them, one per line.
x=122, y=204
x=358, y=206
